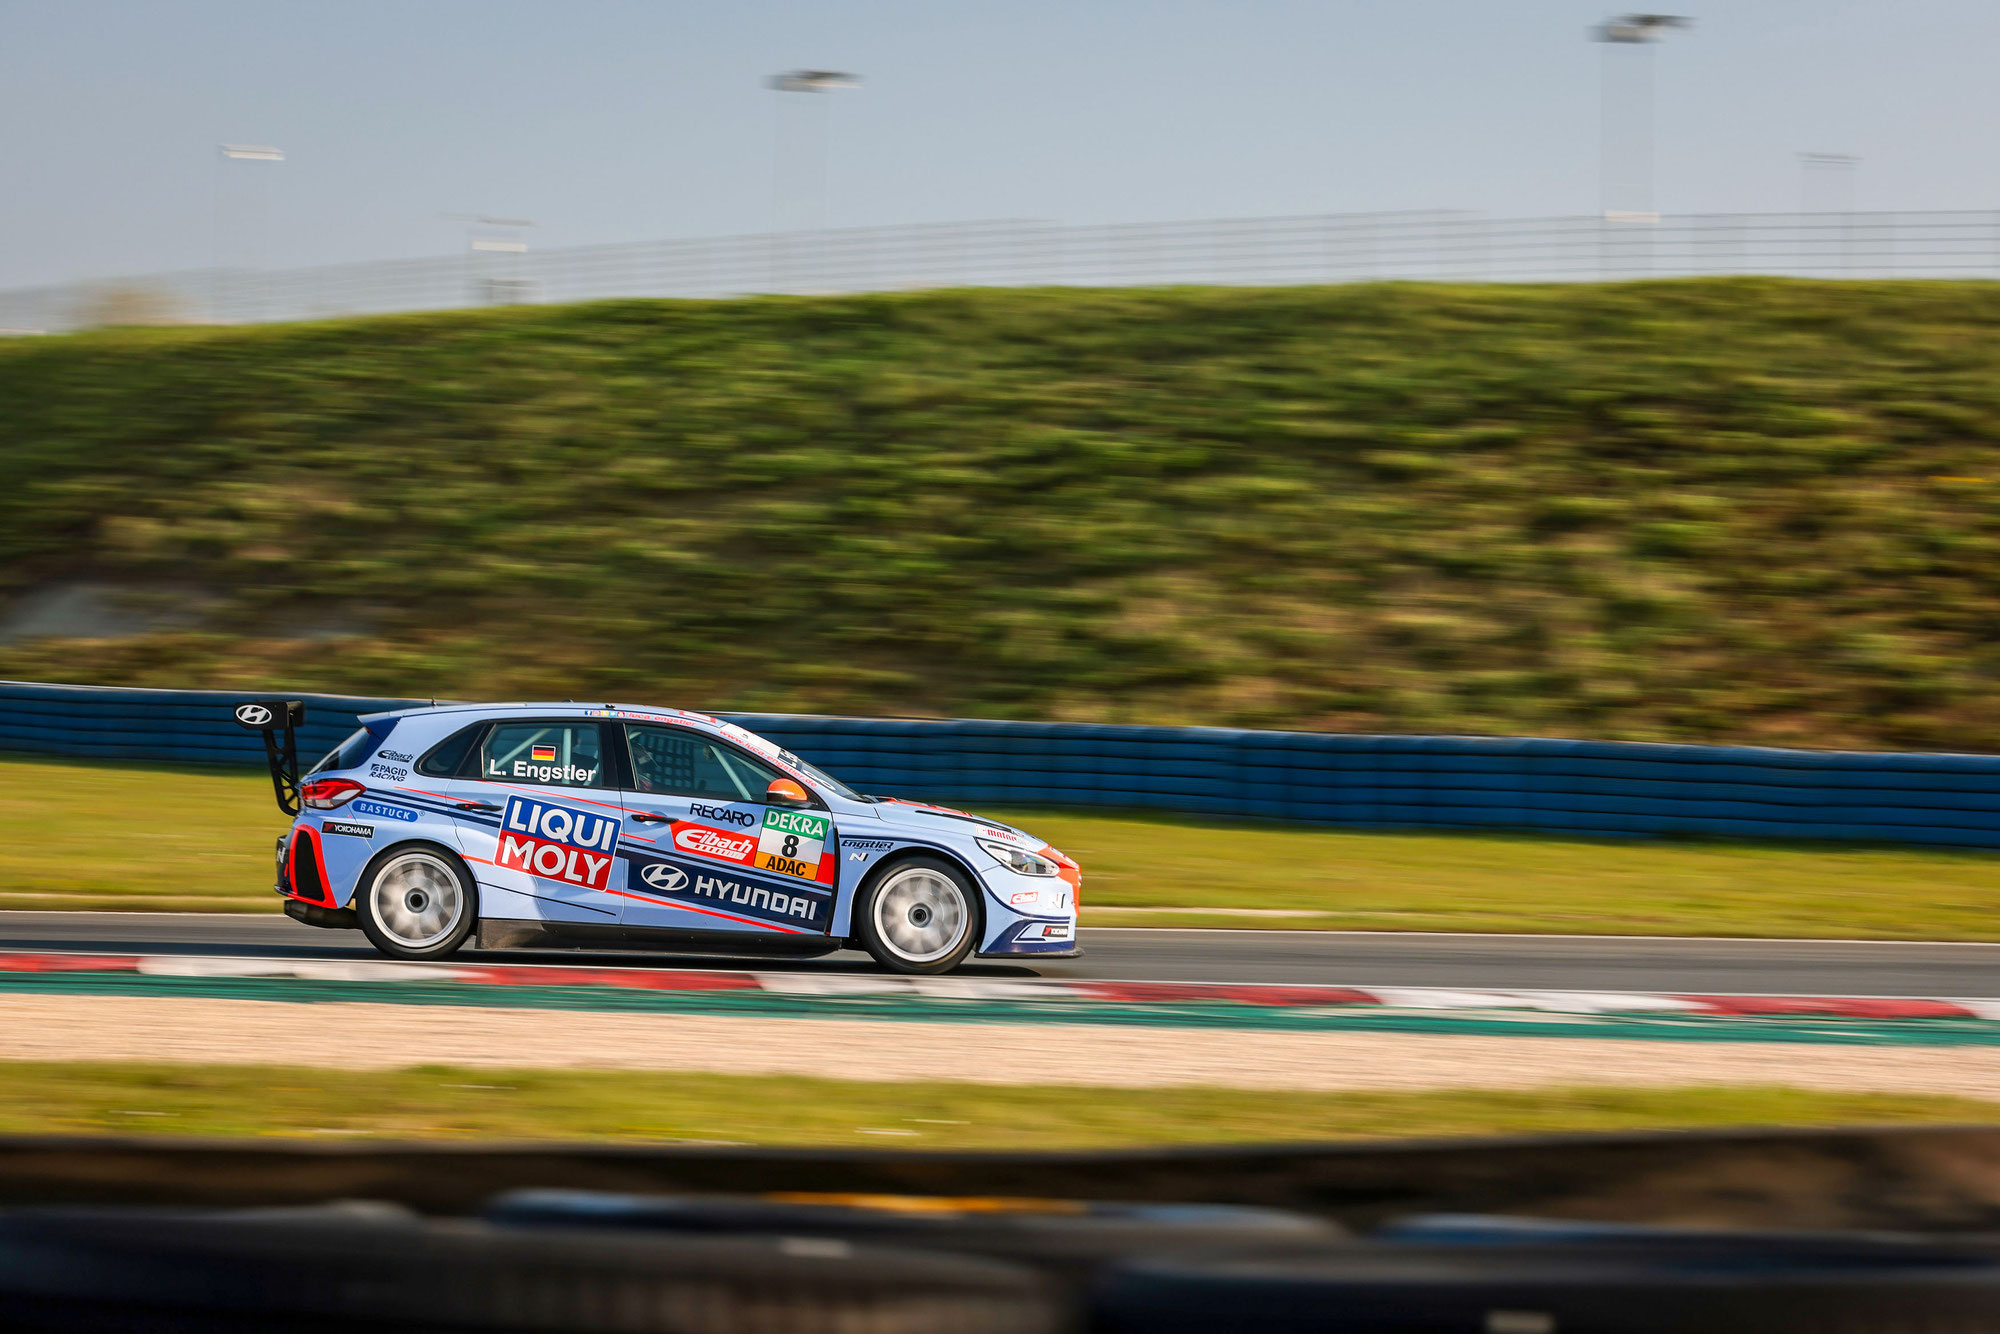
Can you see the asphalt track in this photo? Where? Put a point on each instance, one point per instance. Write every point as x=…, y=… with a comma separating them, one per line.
x=1340, y=958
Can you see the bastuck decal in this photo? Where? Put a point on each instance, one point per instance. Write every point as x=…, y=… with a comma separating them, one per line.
x=678, y=881
x=558, y=842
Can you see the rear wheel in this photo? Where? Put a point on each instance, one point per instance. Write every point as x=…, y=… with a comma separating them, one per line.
x=920, y=916
x=417, y=903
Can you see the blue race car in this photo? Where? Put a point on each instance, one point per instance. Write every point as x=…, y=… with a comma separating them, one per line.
x=612, y=826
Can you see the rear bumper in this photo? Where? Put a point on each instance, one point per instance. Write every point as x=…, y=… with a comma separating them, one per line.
x=314, y=915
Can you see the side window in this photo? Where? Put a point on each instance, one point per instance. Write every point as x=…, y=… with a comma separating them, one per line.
x=448, y=757
x=687, y=764
x=546, y=754
x=348, y=753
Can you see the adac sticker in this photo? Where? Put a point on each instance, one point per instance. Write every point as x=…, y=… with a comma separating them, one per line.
x=558, y=842
x=792, y=843
x=725, y=889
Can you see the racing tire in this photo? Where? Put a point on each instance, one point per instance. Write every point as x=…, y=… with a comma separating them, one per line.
x=416, y=901
x=919, y=915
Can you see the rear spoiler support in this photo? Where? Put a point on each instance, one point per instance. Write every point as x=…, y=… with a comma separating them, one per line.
x=269, y=717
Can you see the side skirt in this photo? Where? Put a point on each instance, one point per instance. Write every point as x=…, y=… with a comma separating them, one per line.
x=509, y=933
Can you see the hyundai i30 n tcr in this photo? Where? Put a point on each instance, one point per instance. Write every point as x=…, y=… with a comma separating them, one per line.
x=567, y=824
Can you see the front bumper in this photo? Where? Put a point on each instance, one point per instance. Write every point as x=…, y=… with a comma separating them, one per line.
x=1044, y=937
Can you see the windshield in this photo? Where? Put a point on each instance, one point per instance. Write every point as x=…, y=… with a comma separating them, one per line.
x=821, y=777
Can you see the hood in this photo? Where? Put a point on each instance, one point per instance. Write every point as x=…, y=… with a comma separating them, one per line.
x=940, y=819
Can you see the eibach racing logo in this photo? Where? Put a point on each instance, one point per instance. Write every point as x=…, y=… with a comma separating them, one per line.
x=558, y=843
x=721, y=844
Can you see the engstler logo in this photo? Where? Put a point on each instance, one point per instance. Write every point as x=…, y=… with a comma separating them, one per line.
x=253, y=715
x=663, y=877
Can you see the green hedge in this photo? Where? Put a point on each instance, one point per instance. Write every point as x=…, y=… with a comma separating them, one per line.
x=1744, y=510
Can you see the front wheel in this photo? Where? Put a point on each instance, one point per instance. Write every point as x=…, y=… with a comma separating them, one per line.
x=417, y=903
x=920, y=916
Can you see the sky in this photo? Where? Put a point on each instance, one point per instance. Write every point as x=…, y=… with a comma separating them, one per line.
x=608, y=120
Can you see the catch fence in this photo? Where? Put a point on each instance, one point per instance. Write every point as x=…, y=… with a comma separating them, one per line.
x=1436, y=245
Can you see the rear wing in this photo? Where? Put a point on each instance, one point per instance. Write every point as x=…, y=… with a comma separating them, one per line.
x=270, y=717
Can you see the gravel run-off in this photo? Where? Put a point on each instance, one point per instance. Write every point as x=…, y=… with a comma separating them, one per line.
x=362, y=1035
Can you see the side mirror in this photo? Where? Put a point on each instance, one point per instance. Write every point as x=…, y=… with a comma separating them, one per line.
x=784, y=792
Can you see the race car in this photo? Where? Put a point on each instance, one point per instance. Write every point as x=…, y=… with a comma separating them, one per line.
x=626, y=827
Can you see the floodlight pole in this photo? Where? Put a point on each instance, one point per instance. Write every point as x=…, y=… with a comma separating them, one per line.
x=1837, y=170
x=224, y=155
x=1641, y=31
x=803, y=81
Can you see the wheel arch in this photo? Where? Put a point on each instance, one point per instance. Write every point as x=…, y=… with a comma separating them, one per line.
x=366, y=876
x=890, y=861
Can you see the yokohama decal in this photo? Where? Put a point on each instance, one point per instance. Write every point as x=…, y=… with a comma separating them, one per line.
x=558, y=843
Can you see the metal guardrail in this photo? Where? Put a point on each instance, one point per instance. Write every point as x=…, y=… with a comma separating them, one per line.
x=1322, y=248
x=1372, y=782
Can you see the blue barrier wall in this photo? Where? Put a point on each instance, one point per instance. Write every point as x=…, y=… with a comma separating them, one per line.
x=1574, y=787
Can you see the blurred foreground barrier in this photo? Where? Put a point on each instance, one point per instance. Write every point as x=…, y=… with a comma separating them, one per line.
x=1926, y=1178
x=1371, y=782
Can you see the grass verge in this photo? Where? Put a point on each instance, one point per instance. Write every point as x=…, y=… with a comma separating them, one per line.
x=82, y=835
x=442, y=1102
x=1742, y=509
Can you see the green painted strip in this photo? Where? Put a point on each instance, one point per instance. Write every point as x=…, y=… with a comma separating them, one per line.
x=919, y=1009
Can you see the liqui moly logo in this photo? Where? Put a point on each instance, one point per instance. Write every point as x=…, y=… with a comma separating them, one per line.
x=558, y=843
x=722, y=844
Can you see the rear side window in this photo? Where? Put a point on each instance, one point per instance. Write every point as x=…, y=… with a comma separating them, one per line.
x=448, y=758
x=355, y=749
x=546, y=754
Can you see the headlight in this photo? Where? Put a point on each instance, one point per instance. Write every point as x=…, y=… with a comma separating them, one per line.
x=1018, y=860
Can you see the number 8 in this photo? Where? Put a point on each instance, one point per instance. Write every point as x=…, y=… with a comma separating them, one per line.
x=791, y=846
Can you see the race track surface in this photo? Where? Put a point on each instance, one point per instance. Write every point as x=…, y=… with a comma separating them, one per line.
x=1574, y=963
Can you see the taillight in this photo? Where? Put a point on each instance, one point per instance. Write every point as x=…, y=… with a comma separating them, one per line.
x=323, y=794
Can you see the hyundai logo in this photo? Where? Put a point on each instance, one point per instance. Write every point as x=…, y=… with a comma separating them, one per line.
x=664, y=877
x=253, y=715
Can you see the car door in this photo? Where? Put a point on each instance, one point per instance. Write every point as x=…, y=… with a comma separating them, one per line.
x=539, y=820
x=704, y=849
